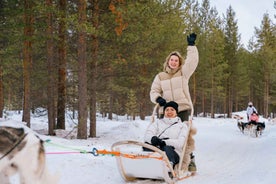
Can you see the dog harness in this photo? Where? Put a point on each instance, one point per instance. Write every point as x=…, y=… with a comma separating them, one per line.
x=16, y=143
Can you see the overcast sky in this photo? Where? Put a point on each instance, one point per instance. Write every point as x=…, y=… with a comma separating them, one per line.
x=249, y=14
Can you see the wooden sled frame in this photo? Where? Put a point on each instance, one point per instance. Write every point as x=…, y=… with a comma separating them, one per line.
x=124, y=170
x=176, y=174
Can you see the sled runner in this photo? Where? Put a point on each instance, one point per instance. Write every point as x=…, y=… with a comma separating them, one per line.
x=153, y=164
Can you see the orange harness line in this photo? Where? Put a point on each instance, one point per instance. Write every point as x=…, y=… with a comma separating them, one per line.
x=132, y=156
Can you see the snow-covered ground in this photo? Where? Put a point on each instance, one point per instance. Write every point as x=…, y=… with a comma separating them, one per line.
x=223, y=154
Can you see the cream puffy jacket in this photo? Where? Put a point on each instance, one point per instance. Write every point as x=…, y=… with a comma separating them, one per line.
x=174, y=135
x=172, y=85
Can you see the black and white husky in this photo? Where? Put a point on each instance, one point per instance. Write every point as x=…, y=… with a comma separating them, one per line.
x=23, y=152
x=254, y=128
x=243, y=126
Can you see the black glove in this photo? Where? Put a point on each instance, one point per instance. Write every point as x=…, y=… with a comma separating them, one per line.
x=191, y=39
x=162, y=144
x=161, y=101
x=155, y=141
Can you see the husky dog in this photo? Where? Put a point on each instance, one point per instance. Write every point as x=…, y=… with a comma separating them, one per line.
x=254, y=128
x=243, y=126
x=23, y=153
x=260, y=128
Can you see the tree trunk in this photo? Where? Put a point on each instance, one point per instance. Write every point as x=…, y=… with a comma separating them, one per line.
x=51, y=69
x=212, y=89
x=229, y=97
x=212, y=100
x=82, y=73
x=1, y=91
x=93, y=68
x=27, y=60
x=110, y=109
x=203, y=103
x=142, y=104
x=62, y=67
x=266, y=98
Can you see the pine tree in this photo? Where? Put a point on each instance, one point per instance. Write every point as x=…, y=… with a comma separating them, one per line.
x=62, y=66
x=2, y=41
x=231, y=47
x=82, y=72
x=27, y=60
x=93, y=40
x=51, y=69
x=266, y=39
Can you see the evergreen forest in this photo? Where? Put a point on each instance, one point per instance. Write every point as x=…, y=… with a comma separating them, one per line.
x=99, y=58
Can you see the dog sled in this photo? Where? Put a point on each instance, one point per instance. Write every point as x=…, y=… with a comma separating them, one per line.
x=134, y=163
x=254, y=129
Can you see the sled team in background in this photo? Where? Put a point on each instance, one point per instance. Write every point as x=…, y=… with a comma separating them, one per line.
x=253, y=125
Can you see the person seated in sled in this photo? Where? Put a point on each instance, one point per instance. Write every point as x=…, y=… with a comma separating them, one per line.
x=250, y=109
x=169, y=133
x=254, y=119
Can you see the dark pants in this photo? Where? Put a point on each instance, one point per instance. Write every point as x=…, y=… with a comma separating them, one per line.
x=171, y=154
x=184, y=115
x=169, y=150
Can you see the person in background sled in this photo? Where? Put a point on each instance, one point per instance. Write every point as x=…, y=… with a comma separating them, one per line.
x=172, y=83
x=169, y=133
x=254, y=119
x=250, y=109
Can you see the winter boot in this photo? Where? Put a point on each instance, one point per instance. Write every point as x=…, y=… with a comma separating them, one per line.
x=192, y=165
x=170, y=174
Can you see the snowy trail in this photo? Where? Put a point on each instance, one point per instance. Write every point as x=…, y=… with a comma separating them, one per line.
x=223, y=154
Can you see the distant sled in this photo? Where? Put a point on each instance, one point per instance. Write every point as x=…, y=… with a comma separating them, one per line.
x=254, y=129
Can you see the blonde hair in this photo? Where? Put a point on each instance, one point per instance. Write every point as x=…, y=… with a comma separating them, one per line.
x=175, y=53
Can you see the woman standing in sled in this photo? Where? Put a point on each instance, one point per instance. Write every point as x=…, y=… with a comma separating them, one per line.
x=169, y=133
x=172, y=83
x=250, y=109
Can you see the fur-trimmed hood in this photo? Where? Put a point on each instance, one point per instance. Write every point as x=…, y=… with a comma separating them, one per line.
x=166, y=67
